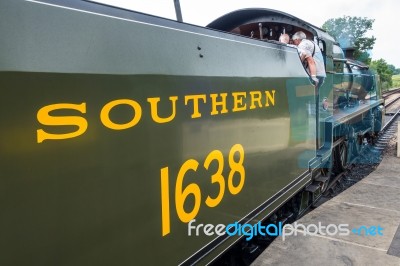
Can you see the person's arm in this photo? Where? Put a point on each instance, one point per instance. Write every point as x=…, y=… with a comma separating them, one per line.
x=311, y=66
x=305, y=56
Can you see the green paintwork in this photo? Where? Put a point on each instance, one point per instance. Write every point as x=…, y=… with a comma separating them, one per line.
x=96, y=199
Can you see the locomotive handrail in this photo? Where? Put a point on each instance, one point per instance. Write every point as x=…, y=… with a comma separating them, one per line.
x=344, y=60
x=358, y=65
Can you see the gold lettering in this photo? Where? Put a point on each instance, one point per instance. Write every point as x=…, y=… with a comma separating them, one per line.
x=167, y=114
x=238, y=101
x=255, y=97
x=195, y=98
x=215, y=103
x=44, y=118
x=270, y=98
x=105, y=118
x=154, y=114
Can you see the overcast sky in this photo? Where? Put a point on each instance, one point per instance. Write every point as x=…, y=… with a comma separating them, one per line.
x=201, y=12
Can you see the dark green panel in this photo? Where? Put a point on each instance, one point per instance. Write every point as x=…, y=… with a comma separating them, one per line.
x=95, y=198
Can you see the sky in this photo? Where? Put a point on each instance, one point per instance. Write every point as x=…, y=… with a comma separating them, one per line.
x=316, y=12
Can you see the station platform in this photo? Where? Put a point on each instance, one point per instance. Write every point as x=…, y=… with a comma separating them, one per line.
x=372, y=202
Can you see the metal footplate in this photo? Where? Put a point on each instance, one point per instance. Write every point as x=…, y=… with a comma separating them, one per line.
x=312, y=188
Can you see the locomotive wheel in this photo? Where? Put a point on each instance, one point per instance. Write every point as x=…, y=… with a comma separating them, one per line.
x=377, y=127
x=372, y=138
x=327, y=171
x=341, y=157
x=378, y=120
x=358, y=145
x=354, y=144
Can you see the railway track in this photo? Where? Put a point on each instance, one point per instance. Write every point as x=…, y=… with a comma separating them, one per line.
x=391, y=100
x=388, y=93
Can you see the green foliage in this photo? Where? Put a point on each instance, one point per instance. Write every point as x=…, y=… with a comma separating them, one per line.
x=350, y=32
x=384, y=71
x=394, y=69
x=396, y=80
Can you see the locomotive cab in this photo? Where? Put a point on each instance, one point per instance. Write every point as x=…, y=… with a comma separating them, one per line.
x=348, y=107
x=268, y=25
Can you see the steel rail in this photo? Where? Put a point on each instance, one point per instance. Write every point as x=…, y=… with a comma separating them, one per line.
x=388, y=93
x=392, y=102
x=390, y=122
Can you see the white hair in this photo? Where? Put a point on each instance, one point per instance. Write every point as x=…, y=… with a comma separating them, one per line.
x=299, y=36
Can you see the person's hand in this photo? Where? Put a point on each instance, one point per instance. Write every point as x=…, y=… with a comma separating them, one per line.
x=315, y=81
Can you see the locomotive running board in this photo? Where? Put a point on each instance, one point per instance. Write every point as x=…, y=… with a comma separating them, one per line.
x=312, y=188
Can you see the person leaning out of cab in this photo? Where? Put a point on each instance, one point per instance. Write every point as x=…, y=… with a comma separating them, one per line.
x=307, y=49
x=305, y=57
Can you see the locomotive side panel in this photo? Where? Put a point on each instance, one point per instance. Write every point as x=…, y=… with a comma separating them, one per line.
x=118, y=132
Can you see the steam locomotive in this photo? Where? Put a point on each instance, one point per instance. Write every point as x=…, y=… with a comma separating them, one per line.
x=120, y=131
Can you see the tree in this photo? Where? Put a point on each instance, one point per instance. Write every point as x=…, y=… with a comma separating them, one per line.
x=350, y=32
x=385, y=72
x=394, y=69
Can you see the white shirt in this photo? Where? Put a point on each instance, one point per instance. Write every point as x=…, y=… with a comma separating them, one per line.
x=311, y=49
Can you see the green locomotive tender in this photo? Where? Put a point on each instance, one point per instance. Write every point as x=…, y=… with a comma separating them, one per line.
x=119, y=129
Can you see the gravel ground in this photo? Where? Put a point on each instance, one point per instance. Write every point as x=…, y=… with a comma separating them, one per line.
x=391, y=149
